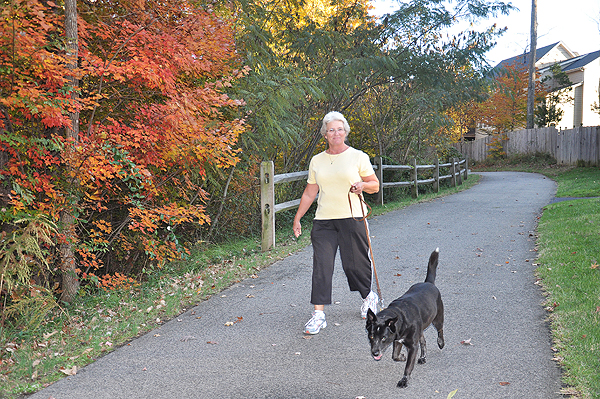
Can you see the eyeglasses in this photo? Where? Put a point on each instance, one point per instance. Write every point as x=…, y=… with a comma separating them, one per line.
x=339, y=130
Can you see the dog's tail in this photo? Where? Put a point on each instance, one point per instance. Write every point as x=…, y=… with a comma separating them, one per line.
x=432, y=267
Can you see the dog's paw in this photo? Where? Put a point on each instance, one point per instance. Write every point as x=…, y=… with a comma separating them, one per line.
x=403, y=383
x=401, y=358
x=422, y=360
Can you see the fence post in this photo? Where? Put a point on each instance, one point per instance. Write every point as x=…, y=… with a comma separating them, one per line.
x=379, y=174
x=267, y=204
x=415, y=187
x=436, y=176
x=453, y=171
x=459, y=176
x=466, y=168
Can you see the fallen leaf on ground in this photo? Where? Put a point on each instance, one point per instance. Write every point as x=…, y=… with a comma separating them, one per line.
x=594, y=265
x=504, y=383
x=71, y=371
x=569, y=391
x=212, y=342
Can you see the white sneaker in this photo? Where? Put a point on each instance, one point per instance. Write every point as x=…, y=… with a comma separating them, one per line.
x=370, y=302
x=314, y=325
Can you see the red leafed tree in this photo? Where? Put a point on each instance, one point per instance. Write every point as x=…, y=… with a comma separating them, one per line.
x=506, y=108
x=149, y=89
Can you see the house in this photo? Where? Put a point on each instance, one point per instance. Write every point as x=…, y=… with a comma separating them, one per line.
x=582, y=70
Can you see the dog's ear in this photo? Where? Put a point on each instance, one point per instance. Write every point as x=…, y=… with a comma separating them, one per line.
x=391, y=324
x=371, y=318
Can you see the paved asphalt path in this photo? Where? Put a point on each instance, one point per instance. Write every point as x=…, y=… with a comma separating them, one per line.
x=486, y=276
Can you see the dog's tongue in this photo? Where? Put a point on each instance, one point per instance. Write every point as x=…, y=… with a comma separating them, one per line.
x=378, y=357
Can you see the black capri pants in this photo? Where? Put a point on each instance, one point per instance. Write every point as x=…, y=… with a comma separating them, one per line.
x=350, y=237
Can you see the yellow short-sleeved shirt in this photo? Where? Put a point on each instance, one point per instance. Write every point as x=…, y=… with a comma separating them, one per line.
x=334, y=174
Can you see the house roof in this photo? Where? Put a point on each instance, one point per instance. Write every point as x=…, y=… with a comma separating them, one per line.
x=523, y=59
x=579, y=61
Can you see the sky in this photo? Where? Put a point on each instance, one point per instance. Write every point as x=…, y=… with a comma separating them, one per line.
x=574, y=22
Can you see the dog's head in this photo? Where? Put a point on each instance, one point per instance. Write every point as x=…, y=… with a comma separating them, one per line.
x=382, y=333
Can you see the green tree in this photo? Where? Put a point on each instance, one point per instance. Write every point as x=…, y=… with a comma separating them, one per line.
x=558, y=84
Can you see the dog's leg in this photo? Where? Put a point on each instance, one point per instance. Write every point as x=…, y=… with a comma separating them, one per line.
x=438, y=323
x=410, y=365
x=423, y=344
x=397, y=354
x=440, y=340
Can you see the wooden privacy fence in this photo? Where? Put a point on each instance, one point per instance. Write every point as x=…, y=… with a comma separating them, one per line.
x=457, y=172
x=569, y=147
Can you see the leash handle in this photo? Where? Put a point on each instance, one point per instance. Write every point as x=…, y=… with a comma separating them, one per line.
x=364, y=219
x=362, y=202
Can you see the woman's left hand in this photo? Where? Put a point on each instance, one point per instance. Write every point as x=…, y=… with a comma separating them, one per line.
x=368, y=184
x=357, y=187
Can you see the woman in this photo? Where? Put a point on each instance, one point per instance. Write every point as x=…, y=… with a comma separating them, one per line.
x=332, y=174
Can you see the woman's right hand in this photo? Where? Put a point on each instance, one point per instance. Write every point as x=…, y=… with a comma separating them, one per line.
x=297, y=227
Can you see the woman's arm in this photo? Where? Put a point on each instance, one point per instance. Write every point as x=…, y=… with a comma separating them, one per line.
x=308, y=197
x=369, y=184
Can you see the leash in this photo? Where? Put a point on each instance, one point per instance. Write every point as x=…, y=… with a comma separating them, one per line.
x=364, y=219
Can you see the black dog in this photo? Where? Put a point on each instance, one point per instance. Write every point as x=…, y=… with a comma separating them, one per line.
x=404, y=321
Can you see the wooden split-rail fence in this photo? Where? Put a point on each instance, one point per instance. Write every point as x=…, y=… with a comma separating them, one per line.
x=457, y=171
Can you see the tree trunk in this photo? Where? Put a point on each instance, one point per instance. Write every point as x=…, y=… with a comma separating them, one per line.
x=70, y=280
x=532, y=57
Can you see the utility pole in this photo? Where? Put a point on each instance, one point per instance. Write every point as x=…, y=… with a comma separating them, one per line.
x=532, y=57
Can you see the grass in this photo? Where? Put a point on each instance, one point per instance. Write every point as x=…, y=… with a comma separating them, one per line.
x=569, y=240
x=100, y=321
x=568, y=257
x=579, y=182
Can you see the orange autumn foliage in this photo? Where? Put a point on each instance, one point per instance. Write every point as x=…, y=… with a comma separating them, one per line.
x=506, y=108
x=154, y=114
